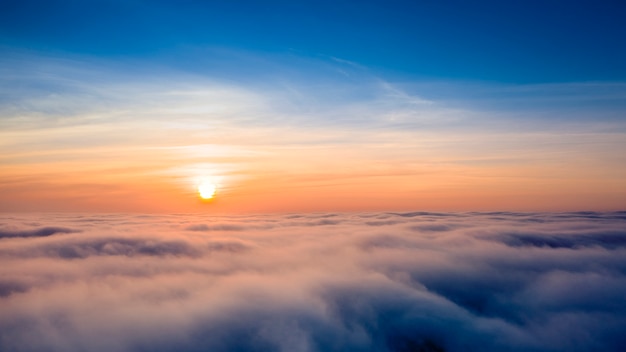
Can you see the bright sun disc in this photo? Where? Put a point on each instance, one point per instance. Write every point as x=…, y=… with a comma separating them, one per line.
x=206, y=190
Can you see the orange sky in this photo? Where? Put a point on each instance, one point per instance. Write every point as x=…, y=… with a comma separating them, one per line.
x=127, y=144
x=160, y=170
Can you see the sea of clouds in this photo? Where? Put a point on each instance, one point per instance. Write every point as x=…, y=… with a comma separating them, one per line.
x=314, y=282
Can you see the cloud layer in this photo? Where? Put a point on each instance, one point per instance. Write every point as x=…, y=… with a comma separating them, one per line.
x=314, y=282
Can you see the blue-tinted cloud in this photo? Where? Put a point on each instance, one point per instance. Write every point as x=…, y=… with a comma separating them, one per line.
x=41, y=232
x=413, y=281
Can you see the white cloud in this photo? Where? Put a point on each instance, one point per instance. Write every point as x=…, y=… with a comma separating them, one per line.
x=314, y=282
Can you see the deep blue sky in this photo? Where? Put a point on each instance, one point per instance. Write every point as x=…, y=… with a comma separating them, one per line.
x=501, y=41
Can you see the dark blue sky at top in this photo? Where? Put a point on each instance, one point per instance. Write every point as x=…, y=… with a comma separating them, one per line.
x=503, y=41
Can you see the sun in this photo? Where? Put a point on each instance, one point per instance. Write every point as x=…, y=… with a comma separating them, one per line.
x=207, y=190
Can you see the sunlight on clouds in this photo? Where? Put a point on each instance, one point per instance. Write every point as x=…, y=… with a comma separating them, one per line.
x=219, y=102
x=376, y=281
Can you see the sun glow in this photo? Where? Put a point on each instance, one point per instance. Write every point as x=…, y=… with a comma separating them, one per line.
x=207, y=190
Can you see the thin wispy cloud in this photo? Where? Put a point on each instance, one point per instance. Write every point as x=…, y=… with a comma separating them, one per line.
x=180, y=126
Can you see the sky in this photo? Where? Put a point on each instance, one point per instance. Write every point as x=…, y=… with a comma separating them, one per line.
x=129, y=106
x=312, y=176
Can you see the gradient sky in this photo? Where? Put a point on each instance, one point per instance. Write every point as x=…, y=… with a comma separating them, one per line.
x=312, y=105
